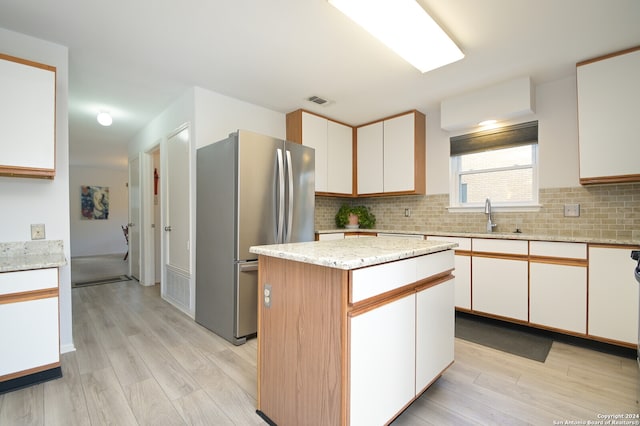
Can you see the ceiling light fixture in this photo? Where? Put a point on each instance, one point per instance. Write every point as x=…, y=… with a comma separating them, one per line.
x=406, y=28
x=104, y=118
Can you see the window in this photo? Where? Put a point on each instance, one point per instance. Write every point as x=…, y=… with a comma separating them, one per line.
x=500, y=164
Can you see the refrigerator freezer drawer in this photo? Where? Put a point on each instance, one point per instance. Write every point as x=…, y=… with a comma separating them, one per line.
x=246, y=299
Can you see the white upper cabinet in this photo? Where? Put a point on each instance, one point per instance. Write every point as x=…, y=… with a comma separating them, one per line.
x=608, y=105
x=314, y=135
x=27, y=118
x=333, y=145
x=391, y=155
x=370, y=158
x=399, y=147
x=340, y=158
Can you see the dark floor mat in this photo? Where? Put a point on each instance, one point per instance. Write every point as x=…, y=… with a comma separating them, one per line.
x=108, y=280
x=503, y=336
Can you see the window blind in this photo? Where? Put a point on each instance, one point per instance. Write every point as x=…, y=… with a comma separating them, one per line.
x=487, y=140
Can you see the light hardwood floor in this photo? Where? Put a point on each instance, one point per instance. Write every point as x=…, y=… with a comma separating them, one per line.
x=139, y=361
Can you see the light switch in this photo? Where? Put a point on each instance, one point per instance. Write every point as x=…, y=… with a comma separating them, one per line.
x=37, y=231
x=572, y=210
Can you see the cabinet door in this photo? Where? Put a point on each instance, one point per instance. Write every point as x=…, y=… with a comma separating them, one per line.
x=463, y=281
x=382, y=362
x=32, y=339
x=314, y=135
x=613, y=294
x=558, y=296
x=435, y=330
x=27, y=118
x=370, y=159
x=399, y=146
x=340, y=158
x=500, y=287
x=608, y=93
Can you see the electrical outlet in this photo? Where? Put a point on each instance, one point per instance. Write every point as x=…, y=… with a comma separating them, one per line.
x=407, y=212
x=37, y=231
x=572, y=210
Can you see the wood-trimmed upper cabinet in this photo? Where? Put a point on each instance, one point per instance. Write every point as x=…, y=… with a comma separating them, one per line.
x=608, y=102
x=27, y=118
x=333, y=144
x=391, y=155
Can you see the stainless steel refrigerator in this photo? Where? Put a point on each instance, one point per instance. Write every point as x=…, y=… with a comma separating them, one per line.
x=251, y=190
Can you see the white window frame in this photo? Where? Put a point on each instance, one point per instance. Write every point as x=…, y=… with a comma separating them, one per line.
x=454, y=188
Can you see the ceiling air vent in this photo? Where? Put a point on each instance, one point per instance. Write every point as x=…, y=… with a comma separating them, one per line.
x=318, y=100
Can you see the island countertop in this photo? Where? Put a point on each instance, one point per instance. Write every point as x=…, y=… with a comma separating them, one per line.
x=352, y=253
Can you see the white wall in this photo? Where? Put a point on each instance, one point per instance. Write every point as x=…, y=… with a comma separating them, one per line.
x=94, y=237
x=26, y=201
x=218, y=115
x=557, y=115
x=212, y=117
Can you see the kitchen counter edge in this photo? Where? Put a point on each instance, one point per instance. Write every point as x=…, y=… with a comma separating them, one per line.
x=352, y=253
x=497, y=235
x=28, y=255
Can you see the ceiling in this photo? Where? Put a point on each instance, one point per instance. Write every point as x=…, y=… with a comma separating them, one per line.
x=134, y=58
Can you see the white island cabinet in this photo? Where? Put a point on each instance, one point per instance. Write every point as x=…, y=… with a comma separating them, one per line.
x=351, y=331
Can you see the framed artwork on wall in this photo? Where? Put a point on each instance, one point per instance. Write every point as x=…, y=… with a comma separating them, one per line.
x=94, y=202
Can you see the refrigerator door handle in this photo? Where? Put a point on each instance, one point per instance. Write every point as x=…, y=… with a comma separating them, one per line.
x=249, y=266
x=287, y=237
x=280, y=202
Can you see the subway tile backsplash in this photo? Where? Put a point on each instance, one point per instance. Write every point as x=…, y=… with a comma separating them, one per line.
x=606, y=211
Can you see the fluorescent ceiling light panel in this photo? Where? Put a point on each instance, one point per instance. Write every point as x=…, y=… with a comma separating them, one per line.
x=406, y=28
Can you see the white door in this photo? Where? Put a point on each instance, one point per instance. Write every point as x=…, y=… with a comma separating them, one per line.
x=177, y=224
x=134, y=218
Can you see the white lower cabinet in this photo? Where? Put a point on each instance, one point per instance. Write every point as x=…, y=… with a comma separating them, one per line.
x=32, y=339
x=613, y=295
x=500, y=287
x=558, y=296
x=435, y=331
x=382, y=362
x=462, y=269
x=29, y=332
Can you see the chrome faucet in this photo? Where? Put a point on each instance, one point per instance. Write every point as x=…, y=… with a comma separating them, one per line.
x=487, y=211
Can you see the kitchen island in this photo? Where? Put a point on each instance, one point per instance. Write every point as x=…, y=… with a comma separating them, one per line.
x=350, y=332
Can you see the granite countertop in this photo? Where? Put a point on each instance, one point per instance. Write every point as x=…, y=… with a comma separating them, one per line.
x=352, y=253
x=494, y=235
x=25, y=255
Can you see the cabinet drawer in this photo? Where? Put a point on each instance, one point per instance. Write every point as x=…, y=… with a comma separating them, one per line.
x=378, y=279
x=558, y=249
x=333, y=236
x=22, y=281
x=500, y=246
x=416, y=236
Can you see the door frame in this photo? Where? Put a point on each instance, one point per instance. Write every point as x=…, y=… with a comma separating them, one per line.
x=148, y=241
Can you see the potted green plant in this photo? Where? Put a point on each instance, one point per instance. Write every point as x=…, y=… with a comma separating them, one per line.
x=354, y=216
